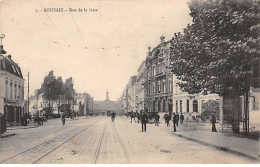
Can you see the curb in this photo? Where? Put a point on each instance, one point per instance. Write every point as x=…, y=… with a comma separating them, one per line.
x=217, y=147
x=7, y=135
x=21, y=128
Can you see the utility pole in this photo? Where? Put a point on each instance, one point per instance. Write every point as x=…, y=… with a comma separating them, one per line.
x=28, y=92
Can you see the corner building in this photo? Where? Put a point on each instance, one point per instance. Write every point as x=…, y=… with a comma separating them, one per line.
x=158, y=79
x=11, y=89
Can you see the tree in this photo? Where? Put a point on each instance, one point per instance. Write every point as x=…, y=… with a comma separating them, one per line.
x=69, y=92
x=49, y=89
x=220, y=50
x=59, y=90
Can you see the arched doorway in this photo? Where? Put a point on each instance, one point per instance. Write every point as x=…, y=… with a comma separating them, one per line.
x=159, y=105
x=195, y=106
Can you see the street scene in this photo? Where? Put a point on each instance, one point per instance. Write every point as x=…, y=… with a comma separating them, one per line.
x=97, y=139
x=116, y=82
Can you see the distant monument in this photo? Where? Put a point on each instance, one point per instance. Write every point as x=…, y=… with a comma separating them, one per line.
x=107, y=98
x=106, y=105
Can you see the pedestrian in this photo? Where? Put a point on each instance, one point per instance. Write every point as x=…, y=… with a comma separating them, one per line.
x=25, y=119
x=181, y=118
x=168, y=118
x=174, y=121
x=113, y=116
x=63, y=119
x=157, y=119
x=144, y=119
x=177, y=117
x=213, y=122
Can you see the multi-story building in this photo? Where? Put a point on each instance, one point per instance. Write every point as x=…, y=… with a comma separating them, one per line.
x=158, y=78
x=83, y=104
x=132, y=94
x=140, y=87
x=11, y=89
x=194, y=104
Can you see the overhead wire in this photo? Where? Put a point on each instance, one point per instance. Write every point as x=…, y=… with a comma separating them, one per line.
x=53, y=23
x=82, y=39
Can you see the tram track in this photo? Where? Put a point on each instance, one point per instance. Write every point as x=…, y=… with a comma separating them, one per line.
x=99, y=147
x=37, y=148
x=97, y=152
x=123, y=146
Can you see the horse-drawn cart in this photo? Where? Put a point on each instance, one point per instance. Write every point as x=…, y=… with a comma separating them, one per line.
x=151, y=117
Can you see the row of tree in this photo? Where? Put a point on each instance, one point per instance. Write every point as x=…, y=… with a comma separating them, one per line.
x=54, y=89
x=219, y=52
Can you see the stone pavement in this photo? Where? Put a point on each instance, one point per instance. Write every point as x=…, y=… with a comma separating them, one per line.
x=223, y=140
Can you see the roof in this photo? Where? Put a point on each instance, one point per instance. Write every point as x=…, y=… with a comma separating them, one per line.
x=7, y=64
x=105, y=105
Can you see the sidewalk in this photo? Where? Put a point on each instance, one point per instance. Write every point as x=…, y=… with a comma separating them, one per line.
x=7, y=134
x=20, y=127
x=225, y=141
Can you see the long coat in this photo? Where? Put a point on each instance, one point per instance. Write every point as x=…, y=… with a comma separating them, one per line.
x=144, y=118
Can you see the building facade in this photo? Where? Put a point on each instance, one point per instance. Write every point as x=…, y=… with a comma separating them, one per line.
x=11, y=89
x=83, y=104
x=158, y=79
x=194, y=104
x=101, y=107
x=140, y=87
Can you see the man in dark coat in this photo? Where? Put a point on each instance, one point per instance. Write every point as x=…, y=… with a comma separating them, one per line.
x=167, y=119
x=213, y=122
x=177, y=117
x=157, y=119
x=181, y=118
x=63, y=119
x=174, y=121
x=144, y=119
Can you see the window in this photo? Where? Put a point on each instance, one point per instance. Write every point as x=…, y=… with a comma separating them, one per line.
x=11, y=91
x=188, y=106
x=19, y=90
x=14, y=69
x=162, y=51
x=170, y=86
x=159, y=67
x=15, y=90
x=159, y=86
x=3, y=62
x=163, y=87
x=153, y=88
x=6, y=88
x=176, y=106
x=17, y=70
x=180, y=105
x=154, y=71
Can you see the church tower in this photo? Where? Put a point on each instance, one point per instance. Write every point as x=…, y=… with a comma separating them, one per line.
x=107, y=98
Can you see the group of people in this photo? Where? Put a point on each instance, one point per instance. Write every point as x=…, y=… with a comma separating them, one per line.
x=144, y=118
x=175, y=119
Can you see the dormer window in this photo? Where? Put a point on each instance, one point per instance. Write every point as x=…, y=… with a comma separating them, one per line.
x=3, y=62
x=17, y=70
x=14, y=69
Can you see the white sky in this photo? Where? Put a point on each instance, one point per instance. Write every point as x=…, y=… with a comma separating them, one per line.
x=124, y=28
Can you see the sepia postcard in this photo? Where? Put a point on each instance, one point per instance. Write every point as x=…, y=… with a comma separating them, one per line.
x=129, y=81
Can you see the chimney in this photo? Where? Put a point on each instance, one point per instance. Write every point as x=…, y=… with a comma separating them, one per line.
x=149, y=49
x=10, y=57
x=2, y=51
x=162, y=38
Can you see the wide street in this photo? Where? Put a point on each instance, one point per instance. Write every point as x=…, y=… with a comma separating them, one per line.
x=97, y=140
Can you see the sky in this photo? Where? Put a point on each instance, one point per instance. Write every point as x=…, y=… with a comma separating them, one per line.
x=100, y=49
